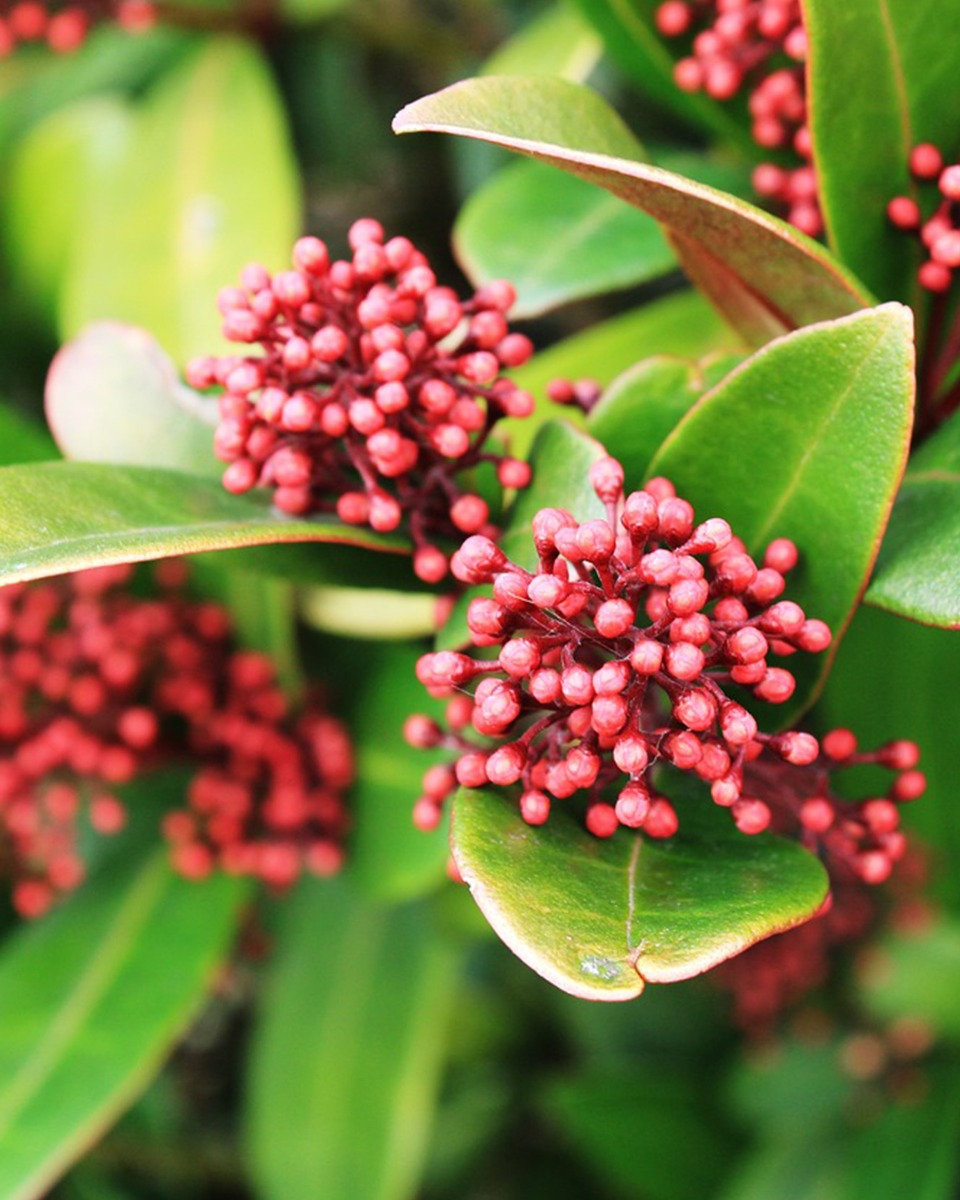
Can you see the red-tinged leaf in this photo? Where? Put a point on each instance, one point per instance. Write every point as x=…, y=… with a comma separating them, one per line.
x=806, y=440
x=601, y=918
x=780, y=279
x=916, y=573
x=63, y=516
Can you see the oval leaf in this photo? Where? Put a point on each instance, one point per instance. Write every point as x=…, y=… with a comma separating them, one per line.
x=63, y=516
x=867, y=111
x=345, y=1062
x=763, y=274
x=112, y=395
x=600, y=918
x=916, y=573
x=556, y=238
x=806, y=440
x=91, y=1001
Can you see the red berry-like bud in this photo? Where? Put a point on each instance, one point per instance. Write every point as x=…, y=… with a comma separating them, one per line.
x=534, y=806
x=602, y=820
x=797, y=748
x=839, y=744
x=751, y=816
x=909, y=786
x=606, y=477
x=661, y=821
x=899, y=756
x=613, y=618
x=926, y=161
x=633, y=806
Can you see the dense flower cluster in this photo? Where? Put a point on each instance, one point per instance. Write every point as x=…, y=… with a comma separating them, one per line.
x=99, y=684
x=615, y=657
x=940, y=231
x=375, y=389
x=64, y=26
x=737, y=44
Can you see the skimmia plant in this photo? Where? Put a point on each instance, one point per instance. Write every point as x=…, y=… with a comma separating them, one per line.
x=400, y=652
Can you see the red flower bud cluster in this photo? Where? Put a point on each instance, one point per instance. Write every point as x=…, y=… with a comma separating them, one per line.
x=98, y=685
x=616, y=657
x=375, y=388
x=940, y=232
x=737, y=44
x=859, y=843
x=64, y=26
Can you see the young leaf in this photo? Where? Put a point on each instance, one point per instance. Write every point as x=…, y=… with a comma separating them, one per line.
x=762, y=274
x=806, y=440
x=556, y=238
x=346, y=1057
x=92, y=999
x=867, y=111
x=916, y=573
x=62, y=516
x=191, y=225
x=600, y=918
x=91, y=410
x=642, y=406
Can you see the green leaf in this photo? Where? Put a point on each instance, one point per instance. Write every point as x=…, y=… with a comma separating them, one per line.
x=683, y=325
x=92, y=998
x=389, y=856
x=370, y=613
x=762, y=274
x=346, y=1057
x=22, y=441
x=645, y=56
x=642, y=406
x=178, y=216
x=557, y=42
x=114, y=396
x=917, y=975
x=63, y=516
x=806, y=440
x=867, y=111
x=600, y=918
x=916, y=573
x=556, y=238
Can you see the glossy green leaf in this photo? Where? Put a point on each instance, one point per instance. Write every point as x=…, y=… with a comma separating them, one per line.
x=867, y=111
x=346, y=1056
x=682, y=324
x=556, y=238
x=21, y=440
x=915, y=974
x=39, y=225
x=642, y=406
x=373, y=613
x=648, y=59
x=806, y=440
x=762, y=274
x=557, y=42
x=62, y=516
x=600, y=918
x=390, y=857
x=113, y=396
x=92, y=999
x=179, y=215
x=916, y=573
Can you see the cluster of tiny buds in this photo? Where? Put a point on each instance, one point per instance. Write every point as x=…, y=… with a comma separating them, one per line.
x=374, y=390
x=100, y=685
x=64, y=27
x=940, y=231
x=614, y=659
x=733, y=49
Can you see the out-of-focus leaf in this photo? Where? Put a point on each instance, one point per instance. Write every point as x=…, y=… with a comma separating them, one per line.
x=867, y=111
x=792, y=1168
x=762, y=274
x=556, y=238
x=389, y=856
x=683, y=325
x=308, y=11
x=916, y=974
x=113, y=395
x=92, y=999
x=39, y=223
x=917, y=573
x=807, y=440
x=601, y=917
x=346, y=1056
x=642, y=406
x=557, y=42
x=370, y=612
x=649, y=1125
x=21, y=441
x=57, y=517
x=181, y=212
